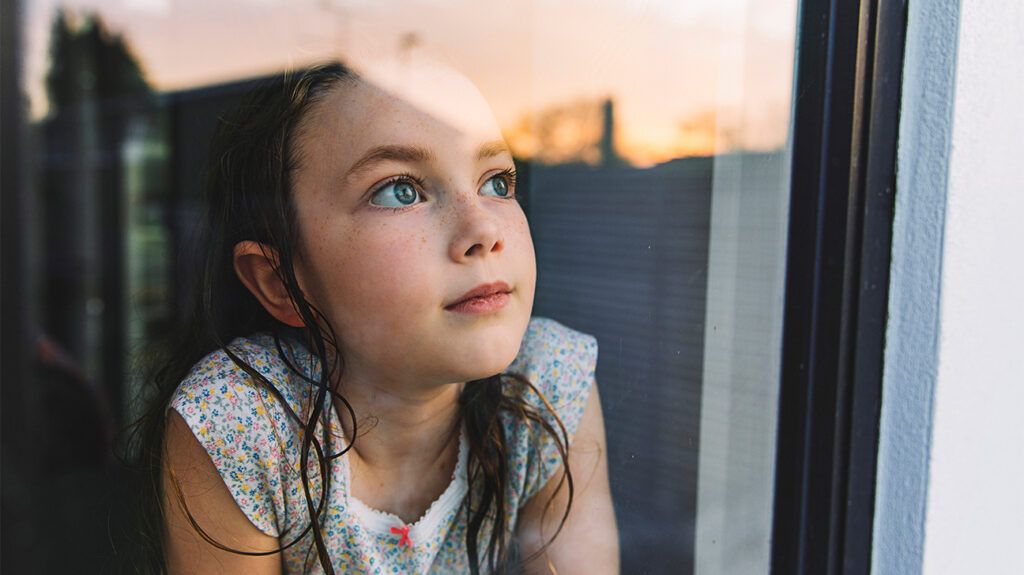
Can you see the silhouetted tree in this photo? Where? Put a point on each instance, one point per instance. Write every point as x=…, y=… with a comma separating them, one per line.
x=88, y=61
x=566, y=133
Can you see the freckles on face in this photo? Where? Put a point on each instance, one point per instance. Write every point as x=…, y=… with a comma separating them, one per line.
x=371, y=276
x=382, y=277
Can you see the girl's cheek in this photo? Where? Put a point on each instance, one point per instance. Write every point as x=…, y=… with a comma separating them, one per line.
x=389, y=261
x=520, y=230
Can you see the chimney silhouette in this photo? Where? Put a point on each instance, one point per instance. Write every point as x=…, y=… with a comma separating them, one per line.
x=609, y=157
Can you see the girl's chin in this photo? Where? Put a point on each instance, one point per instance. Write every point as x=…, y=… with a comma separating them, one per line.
x=480, y=361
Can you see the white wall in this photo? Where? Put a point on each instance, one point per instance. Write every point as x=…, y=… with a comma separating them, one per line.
x=975, y=514
x=950, y=495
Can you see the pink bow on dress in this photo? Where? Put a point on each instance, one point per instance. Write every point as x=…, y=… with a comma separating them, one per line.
x=404, y=532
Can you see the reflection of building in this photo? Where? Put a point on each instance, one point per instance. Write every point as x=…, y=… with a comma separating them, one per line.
x=623, y=253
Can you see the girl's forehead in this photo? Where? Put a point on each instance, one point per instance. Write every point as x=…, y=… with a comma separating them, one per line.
x=420, y=101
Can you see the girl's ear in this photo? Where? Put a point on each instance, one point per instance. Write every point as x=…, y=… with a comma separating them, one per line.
x=256, y=265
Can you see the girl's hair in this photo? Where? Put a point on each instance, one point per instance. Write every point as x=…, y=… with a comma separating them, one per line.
x=248, y=196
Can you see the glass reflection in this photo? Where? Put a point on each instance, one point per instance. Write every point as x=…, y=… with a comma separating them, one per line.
x=650, y=141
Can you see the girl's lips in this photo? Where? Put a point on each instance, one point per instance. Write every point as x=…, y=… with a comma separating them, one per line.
x=482, y=290
x=481, y=305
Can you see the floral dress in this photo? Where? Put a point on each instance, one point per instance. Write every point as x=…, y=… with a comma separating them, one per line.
x=255, y=446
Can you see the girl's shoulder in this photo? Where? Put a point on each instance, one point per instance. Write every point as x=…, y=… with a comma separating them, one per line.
x=247, y=427
x=560, y=363
x=230, y=373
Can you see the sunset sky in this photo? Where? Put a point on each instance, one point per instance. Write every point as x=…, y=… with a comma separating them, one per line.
x=687, y=76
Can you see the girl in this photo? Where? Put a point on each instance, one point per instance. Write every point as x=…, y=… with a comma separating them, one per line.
x=361, y=388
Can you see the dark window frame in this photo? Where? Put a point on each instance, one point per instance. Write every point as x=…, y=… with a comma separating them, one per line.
x=846, y=119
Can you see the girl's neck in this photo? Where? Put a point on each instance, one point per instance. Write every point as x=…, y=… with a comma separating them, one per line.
x=406, y=448
x=401, y=432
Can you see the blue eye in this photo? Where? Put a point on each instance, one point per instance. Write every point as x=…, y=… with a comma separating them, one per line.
x=499, y=185
x=395, y=194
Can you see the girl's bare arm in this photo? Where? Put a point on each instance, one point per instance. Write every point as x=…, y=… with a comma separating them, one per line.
x=213, y=508
x=589, y=541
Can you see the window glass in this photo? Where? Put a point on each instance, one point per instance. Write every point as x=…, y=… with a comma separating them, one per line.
x=652, y=145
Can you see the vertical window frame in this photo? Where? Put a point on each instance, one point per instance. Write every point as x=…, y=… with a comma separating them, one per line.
x=846, y=119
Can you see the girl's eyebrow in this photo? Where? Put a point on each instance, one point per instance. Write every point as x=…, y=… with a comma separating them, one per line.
x=410, y=154
x=491, y=149
x=416, y=154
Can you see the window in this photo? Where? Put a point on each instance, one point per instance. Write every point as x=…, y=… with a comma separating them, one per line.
x=658, y=146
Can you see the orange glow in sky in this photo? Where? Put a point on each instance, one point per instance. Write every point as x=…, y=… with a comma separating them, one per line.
x=687, y=78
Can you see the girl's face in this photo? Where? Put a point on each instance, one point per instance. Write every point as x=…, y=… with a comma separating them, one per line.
x=404, y=205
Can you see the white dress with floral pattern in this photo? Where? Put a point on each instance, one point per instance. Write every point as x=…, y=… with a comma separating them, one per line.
x=255, y=445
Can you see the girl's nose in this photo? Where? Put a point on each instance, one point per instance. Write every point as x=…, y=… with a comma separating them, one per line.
x=477, y=233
